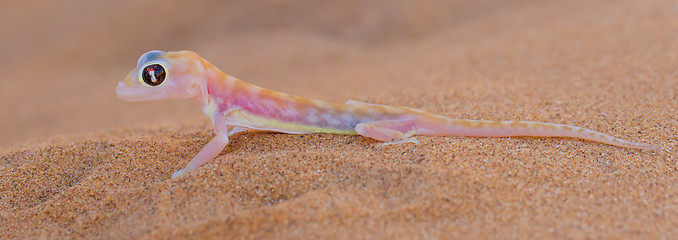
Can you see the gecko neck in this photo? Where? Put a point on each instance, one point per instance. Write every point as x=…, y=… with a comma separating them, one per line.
x=223, y=93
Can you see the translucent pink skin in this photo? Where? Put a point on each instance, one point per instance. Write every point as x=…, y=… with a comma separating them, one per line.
x=235, y=106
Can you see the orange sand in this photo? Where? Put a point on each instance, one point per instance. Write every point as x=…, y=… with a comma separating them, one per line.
x=605, y=65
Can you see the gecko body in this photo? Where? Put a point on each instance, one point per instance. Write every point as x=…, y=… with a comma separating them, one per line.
x=234, y=106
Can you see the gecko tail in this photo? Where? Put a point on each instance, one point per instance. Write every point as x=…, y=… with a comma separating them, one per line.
x=479, y=128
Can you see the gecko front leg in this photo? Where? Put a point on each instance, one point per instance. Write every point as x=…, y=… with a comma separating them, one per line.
x=206, y=154
x=209, y=151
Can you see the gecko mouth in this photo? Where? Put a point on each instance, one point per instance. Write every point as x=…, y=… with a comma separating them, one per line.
x=131, y=93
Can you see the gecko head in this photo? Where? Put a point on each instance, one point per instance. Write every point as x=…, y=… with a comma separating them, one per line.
x=164, y=75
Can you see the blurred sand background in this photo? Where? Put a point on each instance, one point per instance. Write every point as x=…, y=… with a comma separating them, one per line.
x=77, y=162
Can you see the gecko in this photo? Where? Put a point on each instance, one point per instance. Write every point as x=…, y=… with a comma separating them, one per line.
x=235, y=106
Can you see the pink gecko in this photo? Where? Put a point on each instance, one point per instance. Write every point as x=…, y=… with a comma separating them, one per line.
x=235, y=106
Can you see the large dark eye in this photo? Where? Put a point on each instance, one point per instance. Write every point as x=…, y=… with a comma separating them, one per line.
x=153, y=75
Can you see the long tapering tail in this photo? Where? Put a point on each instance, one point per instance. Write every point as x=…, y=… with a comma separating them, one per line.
x=480, y=128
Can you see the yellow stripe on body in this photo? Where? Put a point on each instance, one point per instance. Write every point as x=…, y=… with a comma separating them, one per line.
x=244, y=119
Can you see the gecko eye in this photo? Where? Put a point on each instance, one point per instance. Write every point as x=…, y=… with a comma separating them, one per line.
x=153, y=75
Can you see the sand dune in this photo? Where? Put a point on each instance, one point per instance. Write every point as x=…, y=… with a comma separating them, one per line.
x=77, y=162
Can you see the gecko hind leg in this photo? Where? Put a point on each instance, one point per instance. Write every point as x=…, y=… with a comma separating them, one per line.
x=389, y=131
x=408, y=139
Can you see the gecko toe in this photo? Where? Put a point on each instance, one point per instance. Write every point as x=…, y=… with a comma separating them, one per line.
x=179, y=173
x=406, y=140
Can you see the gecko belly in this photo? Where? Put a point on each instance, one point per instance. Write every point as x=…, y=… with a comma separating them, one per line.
x=245, y=119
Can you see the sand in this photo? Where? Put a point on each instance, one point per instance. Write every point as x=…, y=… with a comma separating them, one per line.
x=77, y=162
